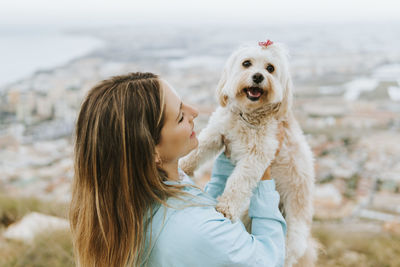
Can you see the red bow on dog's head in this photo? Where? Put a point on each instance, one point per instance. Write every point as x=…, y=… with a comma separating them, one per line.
x=265, y=44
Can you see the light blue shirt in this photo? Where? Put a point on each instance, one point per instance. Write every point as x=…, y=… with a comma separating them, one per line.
x=192, y=233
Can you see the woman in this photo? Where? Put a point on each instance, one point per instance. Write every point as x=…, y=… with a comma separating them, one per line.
x=131, y=206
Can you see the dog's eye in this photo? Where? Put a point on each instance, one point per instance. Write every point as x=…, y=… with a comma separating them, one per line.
x=270, y=68
x=246, y=63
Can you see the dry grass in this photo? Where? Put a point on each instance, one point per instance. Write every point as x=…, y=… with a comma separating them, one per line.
x=50, y=249
x=357, y=249
x=342, y=247
x=13, y=209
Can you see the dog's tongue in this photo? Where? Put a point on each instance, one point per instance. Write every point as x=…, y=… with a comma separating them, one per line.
x=254, y=92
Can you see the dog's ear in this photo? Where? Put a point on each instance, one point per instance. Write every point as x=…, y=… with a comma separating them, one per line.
x=222, y=91
x=222, y=97
x=286, y=80
x=287, y=97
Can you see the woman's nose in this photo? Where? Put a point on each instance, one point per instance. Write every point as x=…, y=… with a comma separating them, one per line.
x=194, y=111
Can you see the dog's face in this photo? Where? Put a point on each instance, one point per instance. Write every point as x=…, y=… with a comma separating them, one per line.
x=255, y=76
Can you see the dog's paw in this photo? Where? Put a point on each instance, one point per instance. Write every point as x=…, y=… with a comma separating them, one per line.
x=187, y=166
x=227, y=209
x=295, y=248
x=290, y=261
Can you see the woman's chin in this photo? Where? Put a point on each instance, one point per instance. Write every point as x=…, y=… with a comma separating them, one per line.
x=195, y=144
x=194, y=147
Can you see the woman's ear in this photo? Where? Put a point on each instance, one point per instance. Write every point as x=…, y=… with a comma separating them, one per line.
x=221, y=96
x=158, y=158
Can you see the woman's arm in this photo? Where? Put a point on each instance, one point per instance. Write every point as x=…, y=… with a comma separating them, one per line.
x=213, y=240
x=201, y=236
x=222, y=169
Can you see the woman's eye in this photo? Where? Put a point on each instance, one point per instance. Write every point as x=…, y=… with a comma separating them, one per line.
x=181, y=119
x=246, y=63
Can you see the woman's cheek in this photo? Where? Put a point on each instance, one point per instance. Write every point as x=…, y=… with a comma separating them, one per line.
x=189, y=129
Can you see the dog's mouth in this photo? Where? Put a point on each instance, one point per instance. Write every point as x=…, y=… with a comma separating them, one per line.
x=253, y=93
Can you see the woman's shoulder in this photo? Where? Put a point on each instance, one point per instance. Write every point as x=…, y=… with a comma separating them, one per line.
x=185, y=233
x=183, y=217
x=192, y=205
x=193, y=201
x=193, y=196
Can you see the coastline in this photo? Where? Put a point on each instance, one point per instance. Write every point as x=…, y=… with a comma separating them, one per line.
x=25, y=52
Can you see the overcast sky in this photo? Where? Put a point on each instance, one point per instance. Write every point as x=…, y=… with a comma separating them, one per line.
x=98, y=12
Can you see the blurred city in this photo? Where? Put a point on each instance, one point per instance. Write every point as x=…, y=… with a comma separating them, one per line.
x=347, y=100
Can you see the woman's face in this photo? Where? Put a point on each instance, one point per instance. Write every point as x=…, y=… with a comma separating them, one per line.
x=177, y=135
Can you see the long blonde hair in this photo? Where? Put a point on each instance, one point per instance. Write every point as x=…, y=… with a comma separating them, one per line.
x=117, y=181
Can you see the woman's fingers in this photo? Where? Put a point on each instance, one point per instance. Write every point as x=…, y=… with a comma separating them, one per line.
x=267, y=174
x=226, y=144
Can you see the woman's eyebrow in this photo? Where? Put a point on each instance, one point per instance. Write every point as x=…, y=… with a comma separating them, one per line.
x=179, y=112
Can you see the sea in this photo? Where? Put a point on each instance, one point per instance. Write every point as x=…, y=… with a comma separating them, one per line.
x=24, y=51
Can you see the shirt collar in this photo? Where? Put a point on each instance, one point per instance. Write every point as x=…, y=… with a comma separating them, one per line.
x=183, y=179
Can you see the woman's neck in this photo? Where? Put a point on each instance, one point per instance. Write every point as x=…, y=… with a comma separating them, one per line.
x=172, y=170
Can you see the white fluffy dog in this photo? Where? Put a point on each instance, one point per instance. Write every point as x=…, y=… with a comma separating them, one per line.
x=255, y=96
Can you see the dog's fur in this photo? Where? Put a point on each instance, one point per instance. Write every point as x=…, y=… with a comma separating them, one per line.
x=251, y=122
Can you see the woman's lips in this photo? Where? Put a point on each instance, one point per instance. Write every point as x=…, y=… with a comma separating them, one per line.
x=193, y=134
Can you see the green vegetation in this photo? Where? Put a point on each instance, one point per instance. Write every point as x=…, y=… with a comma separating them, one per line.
x=351, y=187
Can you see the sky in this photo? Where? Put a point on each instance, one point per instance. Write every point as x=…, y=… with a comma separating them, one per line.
x=102, y=12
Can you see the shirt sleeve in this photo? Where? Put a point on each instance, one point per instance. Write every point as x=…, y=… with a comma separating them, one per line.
x=201, y=236
x=222, y=169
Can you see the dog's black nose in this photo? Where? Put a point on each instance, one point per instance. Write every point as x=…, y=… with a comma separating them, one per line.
x=257, y=78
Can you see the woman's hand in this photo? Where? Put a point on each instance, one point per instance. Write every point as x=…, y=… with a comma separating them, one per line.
x=227, y=151
x=267, y=173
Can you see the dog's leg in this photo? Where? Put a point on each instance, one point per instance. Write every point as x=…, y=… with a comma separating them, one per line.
x=239, y=187
x=309, y=258
x=296, y=187
x=247, y=173
x=298, y=211
x=296, y=241
x=210, y=142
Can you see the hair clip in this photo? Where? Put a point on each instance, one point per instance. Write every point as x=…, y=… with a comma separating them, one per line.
x=265, y=44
